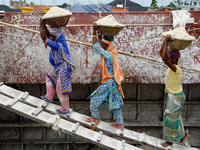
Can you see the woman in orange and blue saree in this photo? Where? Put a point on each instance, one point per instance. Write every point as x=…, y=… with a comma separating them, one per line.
x=110, y=92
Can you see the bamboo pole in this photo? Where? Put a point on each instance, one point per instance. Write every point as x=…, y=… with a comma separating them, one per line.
x=124, y=5
x=88, y=44
x=98, y=7
x=151, y=59
x=139, y=56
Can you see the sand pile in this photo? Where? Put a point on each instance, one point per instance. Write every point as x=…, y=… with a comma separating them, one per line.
x=179, y=33
x=108, y=26
x=55, y=12
x=180, y=38
x=109, y=21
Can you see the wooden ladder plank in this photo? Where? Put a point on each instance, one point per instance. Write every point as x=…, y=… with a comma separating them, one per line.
x=39, y=109
x=16, y=99
x=75, y=127
x=12, y=102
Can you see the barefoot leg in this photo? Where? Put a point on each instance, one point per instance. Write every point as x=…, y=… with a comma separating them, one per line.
x=185, y=136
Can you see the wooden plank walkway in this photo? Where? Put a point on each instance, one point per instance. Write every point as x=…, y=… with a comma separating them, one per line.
x=17, y=105
x=43, y=112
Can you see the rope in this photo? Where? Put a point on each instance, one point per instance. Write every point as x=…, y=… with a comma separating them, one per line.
x=54, y=121
x=18, y=35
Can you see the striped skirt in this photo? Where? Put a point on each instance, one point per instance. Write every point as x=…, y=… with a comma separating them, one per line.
x=173, y=121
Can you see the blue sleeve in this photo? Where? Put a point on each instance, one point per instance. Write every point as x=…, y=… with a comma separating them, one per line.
x=65, y=47
x=98, y=49
x=53, y=44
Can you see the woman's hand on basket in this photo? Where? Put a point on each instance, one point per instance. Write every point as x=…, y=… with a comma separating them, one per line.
x=43, y=36
x=42, y=22
x=94, y=36
x=42, y=33
x=94, y=26
x=168, y=37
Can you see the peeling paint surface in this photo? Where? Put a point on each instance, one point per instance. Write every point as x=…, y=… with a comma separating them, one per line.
x=24, y=58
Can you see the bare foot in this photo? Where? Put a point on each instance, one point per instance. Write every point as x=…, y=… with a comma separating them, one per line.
x=165, y=144
x=185, y=136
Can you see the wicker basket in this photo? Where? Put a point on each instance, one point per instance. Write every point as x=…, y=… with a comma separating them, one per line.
x=58, y=21
x=178, y=44
x=109, y=31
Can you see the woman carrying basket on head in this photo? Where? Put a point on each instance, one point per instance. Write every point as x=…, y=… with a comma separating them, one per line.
x=60, y=59
x=110, y=92
x=175, y=98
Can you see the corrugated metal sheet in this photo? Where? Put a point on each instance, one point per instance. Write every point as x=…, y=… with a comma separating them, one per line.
x=24, y=58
